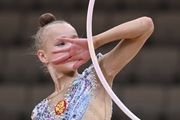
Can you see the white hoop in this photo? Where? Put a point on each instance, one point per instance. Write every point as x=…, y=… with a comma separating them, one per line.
x=96, y=65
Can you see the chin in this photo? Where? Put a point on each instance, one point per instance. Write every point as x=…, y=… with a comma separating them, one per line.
x=68, y=67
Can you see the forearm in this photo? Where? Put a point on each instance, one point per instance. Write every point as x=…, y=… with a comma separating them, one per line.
x=128, y=30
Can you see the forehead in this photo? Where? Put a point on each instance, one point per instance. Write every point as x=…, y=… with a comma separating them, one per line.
x=60, y=30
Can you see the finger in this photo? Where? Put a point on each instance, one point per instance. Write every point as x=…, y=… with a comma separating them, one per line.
x=61, y=59
x=70, y=59
x=61, y=50
x=78, y=64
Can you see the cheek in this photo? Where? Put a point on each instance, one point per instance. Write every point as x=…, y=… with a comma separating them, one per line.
x=51, y=56
x=62, y=54
x=57, y=56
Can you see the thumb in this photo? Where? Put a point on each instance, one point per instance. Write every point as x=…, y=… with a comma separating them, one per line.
x=78, y=64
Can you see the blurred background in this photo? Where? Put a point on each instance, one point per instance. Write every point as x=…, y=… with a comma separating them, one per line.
x=149, y=85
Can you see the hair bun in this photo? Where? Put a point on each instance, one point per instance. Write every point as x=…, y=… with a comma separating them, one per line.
x=46, y=19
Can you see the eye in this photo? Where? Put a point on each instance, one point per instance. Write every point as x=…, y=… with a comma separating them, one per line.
x=60, y=44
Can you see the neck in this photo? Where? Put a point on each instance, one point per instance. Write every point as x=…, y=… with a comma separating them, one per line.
x=62, y=79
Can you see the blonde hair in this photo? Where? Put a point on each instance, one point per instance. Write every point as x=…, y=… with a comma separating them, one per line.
x=44, y=22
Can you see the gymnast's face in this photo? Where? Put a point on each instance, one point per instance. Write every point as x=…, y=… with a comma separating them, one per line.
x=51, y=42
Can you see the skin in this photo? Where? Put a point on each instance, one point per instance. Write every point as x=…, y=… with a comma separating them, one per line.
x=61, y=74
x=64, y=60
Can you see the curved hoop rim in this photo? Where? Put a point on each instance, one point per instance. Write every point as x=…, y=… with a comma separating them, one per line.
x=96, y=64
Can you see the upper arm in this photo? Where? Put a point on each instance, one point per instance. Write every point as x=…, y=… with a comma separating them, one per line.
x=117, y=58
x=133, y=34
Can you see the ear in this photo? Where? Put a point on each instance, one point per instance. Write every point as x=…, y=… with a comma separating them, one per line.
x=42, y=56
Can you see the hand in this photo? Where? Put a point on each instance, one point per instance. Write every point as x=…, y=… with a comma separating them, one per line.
x=78, y=51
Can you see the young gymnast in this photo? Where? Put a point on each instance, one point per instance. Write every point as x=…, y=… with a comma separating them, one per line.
x=82, y=96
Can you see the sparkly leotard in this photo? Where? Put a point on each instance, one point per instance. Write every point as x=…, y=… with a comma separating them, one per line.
x=84, y=99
